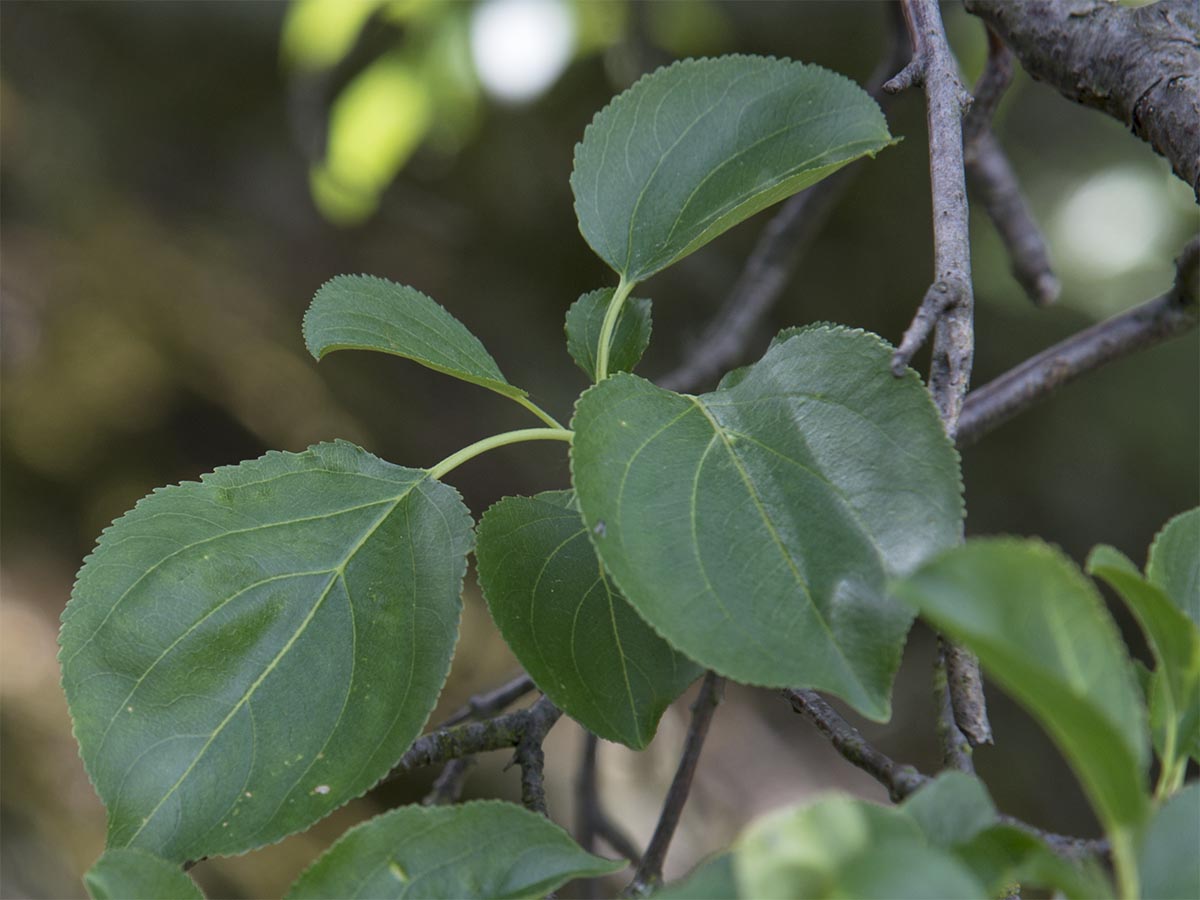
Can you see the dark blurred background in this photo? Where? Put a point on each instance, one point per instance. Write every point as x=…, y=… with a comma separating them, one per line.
x=178, y=178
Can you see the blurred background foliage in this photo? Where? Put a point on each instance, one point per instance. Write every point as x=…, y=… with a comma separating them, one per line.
x=178, y=178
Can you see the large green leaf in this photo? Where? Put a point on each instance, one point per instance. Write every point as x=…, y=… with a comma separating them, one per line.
x=951, y=809
x=129, y=874
x=244, y=654
x=755, y=527
x=1174, y=563
x=691, y=150
x=360, y=312
x=1041, y=630
x=484, y=849
x=629, y=340
x=570, y=628
x=841, y=847
x=1168, y=864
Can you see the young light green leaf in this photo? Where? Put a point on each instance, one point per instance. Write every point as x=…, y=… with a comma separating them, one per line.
x=570, y=628
x=128, y=874
x=951, y=809
x=244, y=654
x=711, y=880
x=692, y=149
x=1168, y=863
x=755, y=527
x=360, y=312
x=1041, y=630
x=483, y=849
x=1174, y=563
x=1003, y=855
x=630, y=338
x=842, y=847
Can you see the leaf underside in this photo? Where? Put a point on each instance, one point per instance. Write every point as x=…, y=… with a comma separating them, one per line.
x=630, y=338
x=244, y=654
x=755, y=527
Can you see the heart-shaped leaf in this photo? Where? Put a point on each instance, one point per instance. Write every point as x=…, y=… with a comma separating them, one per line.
x=571, y=629
x=691, y=150
x=360, y=312
x=1174, y=563
x=630, y=338
x=244, y=654
x=484, y=849
x=129, y=874
x=755, y=527
x=1041, y=630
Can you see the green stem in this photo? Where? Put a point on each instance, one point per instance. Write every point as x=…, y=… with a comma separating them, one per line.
x=539, y=412
x=454, y=460
x=609, y=326
x=1167, y=765
x=1125, y=864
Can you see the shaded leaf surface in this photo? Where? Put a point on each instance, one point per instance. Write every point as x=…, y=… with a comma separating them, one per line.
x=1168, y=865
x=483, y=849
x=129, y=874
x=1041, y=630
x=711, y=880
x=361, y=312
x=1003, y=855
x=951, y=809
x=571, y=629
x=630, y=338
x=244, y=654
x=1174, y=563
x=755, y=527
x=692, y=149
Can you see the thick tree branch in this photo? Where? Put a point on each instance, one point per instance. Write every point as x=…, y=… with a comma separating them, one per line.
x=1158, y=320
x=948, y=306
x=530, y=756
x=649, y=871
x=1140, y=65
x=779, y=249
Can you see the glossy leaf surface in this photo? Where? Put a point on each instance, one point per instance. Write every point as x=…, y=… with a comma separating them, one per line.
x=630, y=338
x=483, y=849
x=1174, y=563
x=571, y=629
x=361, y=312
x=244, y=654
x=692, y=149
x=755, y=527
x=129, y=874
x=1041, y=631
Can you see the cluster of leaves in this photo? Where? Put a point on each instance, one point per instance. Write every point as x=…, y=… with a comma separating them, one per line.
x=244, y=654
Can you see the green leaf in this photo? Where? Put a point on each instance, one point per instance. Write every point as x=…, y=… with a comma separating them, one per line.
x=1174, y=563
x=1175, y=641
x=1041, y=630
x=630, y=338
x=1003, y=855
x=841, y=847
x=484, y=849
x=691, y=150
x=1168, y=863
x=360, y=312
x=711, y=880
x=244, y=654
x=570, y=628
x=755, y=527
x=951, y=809
x=128, y=874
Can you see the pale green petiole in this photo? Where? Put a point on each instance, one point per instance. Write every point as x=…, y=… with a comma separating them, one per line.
x=454, y=460
x=539, y=412
x=609, y=326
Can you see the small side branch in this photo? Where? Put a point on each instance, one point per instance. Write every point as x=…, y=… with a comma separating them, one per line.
x=591, y=821
x=649, y=871
x=530, y=756
x=494, y=701
x=448, y=786
x=1173, y=313
x=956, y=748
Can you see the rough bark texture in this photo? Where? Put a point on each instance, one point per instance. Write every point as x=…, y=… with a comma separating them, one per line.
x=1141, y=66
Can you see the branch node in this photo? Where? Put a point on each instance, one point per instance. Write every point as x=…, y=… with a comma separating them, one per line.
x=941, y=297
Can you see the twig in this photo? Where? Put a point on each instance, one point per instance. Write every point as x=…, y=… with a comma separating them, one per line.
x=903, y=780
x=899, y=780
x=493, y=701
x=530, y=757
x=956, y=748
x=992, y=179
x=448, y=786
x=591, y=822
x=948, y=306
x=649, y=870
x=779, y=249
x=1169, y=315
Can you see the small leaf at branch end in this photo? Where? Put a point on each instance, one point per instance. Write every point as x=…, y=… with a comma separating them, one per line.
x=244, y=654
x=571, y=629
x=695, y=148
x=630, y=338
x=128, y=874
x=1174, y=563
x=361, y=312
x=482, y=849
x=1041, y=630
x=1168, y=864
x=755, y=527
